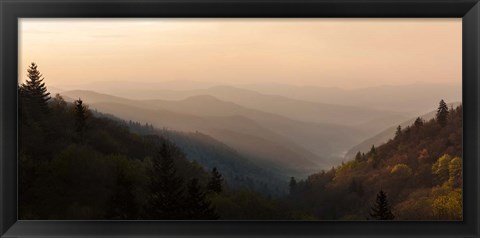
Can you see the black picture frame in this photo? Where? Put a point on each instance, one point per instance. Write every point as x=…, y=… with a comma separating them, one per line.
x=11, y=10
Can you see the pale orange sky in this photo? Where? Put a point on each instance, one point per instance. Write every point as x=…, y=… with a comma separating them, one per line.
x=346, y=53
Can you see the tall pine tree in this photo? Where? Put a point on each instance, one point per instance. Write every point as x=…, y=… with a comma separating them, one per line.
x=34, y=91
x=442, y=113
x=418, y=122
x=166, y=188
x=374, y=156
x=373, y=151
x=215, y=183
x=196, y=205
x=398, y=132
x=382, y=210
x=358, y=156
x=81, y=116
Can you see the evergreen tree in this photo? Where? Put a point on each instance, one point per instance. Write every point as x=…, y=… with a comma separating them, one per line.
x=358, y=156
x=215, y=183
x=196, y=205
x=374, y=157
x=398, y=132
x=442, y=113
x=122, y=203
x=373, y=151
x=34, y=90
x=166, y=188
x=418, y=122
x=382, y=210
x=81, y=116
x=293, y=185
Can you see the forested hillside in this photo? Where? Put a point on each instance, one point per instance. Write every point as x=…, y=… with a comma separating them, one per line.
x=75, y=165
x=238, y=170
x=419, y=171
x=389, y=133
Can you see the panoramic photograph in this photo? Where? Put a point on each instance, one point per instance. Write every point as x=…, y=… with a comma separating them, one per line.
x=240, y=119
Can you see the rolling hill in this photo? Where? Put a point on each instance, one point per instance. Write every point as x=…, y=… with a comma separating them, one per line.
x=389, y=133
x=323, y=140
x=242, y=134
x=420, y=95
x=238, y=170
x=300, y=110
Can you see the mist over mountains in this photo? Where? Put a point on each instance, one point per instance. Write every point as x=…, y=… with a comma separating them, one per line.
x=410, y=98
x=292, y=129
x=389, y=133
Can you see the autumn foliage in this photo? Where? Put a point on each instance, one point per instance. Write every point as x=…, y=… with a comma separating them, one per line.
x=420, y=170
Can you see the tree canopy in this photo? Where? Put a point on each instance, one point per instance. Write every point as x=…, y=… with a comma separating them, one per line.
x=382, y=210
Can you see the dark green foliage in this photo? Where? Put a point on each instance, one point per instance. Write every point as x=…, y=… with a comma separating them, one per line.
x=81, y=116
x=358, y=156
x=136, y=127
x=442, y=113
x=374, y=156
x=373, y=151
x=123, y=204
x=215, y=183
x=245, y=204
x=237, y=169
x=382, y=210
x=111, y=172
x=166, y=188
x=197, y=207
x=418, y=122
x=399, y=131
x=34, y=91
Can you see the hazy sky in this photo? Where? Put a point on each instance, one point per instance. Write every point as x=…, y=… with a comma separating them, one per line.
x=345, y=53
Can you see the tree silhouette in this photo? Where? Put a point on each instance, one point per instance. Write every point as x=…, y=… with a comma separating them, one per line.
x=442, y=113
x=418, y=122
x=381, y=210
x=374, y=156
x=167, y=194
x=34, y=90
x=196, y=205
x=215, y=183
x=81, y=116
x=373, y=151
x=398, y=132
x=358, y=156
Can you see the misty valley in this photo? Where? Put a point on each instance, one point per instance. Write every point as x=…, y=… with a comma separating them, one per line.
x=179, y=150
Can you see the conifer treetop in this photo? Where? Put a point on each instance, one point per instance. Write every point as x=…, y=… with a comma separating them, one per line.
x=382, y=209
x=442, y=113
x=34, y=88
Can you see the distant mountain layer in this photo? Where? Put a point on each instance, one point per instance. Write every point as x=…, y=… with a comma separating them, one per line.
x=413, y=98
x=244, y=134
x=301, y=110
x=389, y=133
x=288, y=134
